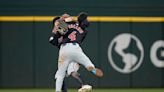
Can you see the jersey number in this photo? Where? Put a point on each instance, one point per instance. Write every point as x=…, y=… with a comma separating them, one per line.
x=72, y=36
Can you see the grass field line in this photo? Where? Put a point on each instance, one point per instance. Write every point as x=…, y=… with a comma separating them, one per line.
x=94, y=90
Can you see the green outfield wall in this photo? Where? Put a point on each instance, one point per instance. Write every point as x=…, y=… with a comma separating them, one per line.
x=129, y=48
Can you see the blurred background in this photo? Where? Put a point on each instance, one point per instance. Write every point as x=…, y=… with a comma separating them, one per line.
x=125, y=40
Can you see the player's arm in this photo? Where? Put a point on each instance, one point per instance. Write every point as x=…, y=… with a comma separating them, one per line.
x=55, y=34
x=54, y=39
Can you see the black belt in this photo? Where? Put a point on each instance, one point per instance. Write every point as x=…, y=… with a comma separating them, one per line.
x=74, y=43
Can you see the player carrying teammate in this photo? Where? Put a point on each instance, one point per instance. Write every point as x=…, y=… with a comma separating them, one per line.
x=70, y=50
x=73, y=67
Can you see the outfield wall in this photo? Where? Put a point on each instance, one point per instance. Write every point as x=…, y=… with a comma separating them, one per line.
x=129, y=49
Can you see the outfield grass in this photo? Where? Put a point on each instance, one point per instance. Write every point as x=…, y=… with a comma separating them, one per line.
x=94, y=90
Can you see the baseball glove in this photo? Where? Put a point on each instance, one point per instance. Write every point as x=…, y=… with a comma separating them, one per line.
x=62, y=27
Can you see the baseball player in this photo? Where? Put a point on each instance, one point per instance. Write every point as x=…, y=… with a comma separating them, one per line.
x=73, y=66
x=70, y=50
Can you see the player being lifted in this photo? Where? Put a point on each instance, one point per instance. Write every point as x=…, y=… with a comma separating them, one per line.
x=71, y=34
x=73, y=67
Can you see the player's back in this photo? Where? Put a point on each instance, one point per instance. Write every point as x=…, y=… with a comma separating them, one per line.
x=75, y=33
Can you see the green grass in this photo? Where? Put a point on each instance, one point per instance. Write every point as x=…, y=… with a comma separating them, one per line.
x=94, y=90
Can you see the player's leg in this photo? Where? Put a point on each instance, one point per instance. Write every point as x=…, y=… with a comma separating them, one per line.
x=60, y=74
x=77, y=76
x=65, y=58
x=64, y=87
x=81, y=58
x=73, y=67
x=73, y=71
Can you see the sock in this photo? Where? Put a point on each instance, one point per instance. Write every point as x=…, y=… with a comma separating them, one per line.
x=94, y=71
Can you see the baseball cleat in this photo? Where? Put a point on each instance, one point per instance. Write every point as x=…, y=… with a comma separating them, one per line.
x=85, y=88
x=99, y=72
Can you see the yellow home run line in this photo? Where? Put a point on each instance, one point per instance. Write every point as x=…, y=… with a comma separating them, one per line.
x=90, y=18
